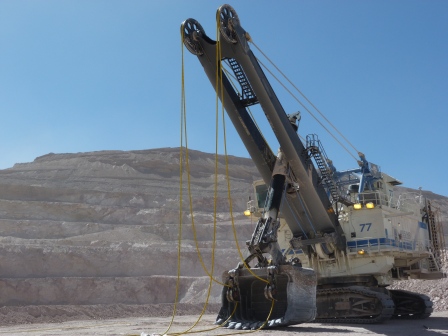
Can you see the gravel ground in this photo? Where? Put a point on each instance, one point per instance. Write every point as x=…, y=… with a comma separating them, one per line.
x=10, y=316
x=436, y=325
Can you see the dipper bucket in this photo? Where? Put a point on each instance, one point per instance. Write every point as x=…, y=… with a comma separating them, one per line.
x=286, y=297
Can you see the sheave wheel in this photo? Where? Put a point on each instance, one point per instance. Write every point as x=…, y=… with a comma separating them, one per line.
x=228, y=18
x=191, y=30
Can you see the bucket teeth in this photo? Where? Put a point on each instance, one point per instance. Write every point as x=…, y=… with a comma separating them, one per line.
x=254, y=325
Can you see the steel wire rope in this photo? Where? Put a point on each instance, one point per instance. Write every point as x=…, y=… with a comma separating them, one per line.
x=218, y=84
x=306, y=98
x=294, y=215
x=312, y=114
x=247, y=108
x=215, y=197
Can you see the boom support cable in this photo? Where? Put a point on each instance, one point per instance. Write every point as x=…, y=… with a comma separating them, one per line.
x=303, y=95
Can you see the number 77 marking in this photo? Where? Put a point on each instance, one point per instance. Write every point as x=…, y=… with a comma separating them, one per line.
x=363, y=226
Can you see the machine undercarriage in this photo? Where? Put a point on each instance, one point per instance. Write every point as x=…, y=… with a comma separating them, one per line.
x=359, y=300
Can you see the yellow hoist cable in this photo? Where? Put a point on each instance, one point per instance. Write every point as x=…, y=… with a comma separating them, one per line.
x=183, y=122
x=201, y=260
x=183, y=132
x=215, y=196
x=183, y=126
x=179, y=234
x=221, y=87
x=228, y=186
x=192, y=216
x=190, y=198
x=312, y=114
x=228, y=180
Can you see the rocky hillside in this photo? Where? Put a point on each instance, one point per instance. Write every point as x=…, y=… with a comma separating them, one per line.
x=102, y=227
x=99, y=228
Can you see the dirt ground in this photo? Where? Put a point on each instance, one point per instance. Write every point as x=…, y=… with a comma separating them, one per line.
x=437, y=324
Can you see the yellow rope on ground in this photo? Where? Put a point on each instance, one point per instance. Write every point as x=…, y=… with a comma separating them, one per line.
x=224, y=323
x=214, y=328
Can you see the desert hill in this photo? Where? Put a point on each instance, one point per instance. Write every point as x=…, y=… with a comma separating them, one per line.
x=101, y=228
x=98, y=228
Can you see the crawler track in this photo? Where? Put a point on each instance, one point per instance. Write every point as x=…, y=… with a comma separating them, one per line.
x=353, y=305
x=409, y=305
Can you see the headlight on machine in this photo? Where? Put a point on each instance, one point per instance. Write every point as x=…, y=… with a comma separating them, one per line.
x=370, y=205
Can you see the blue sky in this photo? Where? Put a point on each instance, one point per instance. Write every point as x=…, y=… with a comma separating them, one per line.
x=78, y=76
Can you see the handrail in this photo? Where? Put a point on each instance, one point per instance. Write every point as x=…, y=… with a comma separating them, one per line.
x=380, y=244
